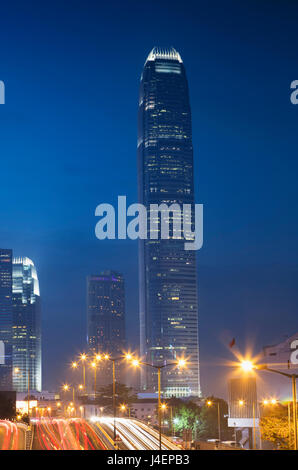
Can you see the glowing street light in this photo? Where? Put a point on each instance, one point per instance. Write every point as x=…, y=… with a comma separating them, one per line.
x=247, y=366
x=94, y=367
x=210, y=403
x=83, y=358
x=181, y=363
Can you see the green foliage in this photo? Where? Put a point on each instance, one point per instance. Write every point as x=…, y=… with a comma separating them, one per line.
x=186, y=417
x=274, y=426
x=208, y=422
x=202, y=420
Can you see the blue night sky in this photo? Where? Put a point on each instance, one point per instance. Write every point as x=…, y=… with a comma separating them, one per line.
x=68, y=143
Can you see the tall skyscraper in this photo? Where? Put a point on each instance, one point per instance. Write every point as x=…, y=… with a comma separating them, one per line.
x=106, y=313
x=167, y=272
x=26, y=326
x=5, y=319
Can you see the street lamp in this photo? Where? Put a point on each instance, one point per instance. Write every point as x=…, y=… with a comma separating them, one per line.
x=209, y=403
x=293, y=378
x=181, y=363
x=18, y=371
x=113, y=360
x=163, y=408
x=83, y=358
x=67, y=388
x=242, y=403
x=124, y=407
x=94, y=367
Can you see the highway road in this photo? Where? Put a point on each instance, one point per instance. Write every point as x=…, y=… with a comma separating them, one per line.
x=64, y=434
x=12, y=436
x=79, y=434
x=131, y=434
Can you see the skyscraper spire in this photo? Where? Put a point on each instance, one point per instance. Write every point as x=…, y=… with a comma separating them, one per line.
x=167, y=54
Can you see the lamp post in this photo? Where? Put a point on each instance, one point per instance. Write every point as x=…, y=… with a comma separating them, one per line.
x=17, y=371
x=248, y=366
x=113, y=360
x=289, y=424
x=209, y=403
x=180, y=363
x=163, y=408
x=83, y=358
x=67, y=388
x=242, y=403
x=94, y=366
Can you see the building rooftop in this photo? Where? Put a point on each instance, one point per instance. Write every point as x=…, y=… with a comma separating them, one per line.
x=167, y=54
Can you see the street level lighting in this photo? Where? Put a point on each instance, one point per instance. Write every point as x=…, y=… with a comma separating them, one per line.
x=181, y=363
x=293, y=378
x=17, y=371
x=83, y=358
x=67, y=388
x=114, y=360
x=247, y=366
x=209, y=403
x=124, y=407
x=94, y=367
x=242, y=403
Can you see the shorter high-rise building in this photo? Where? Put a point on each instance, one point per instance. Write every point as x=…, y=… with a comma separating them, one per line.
x=5, y=319
x=26, y=337
x=106, y=315
x=244, y=409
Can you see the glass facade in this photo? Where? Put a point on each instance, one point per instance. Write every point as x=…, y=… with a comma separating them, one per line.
x=167, y=272
x=5, y=319
x=26, y=328
x=106, y=316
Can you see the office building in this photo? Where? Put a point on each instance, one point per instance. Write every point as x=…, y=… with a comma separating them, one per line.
x=167, y=272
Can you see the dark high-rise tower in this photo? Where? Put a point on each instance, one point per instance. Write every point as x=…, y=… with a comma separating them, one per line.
x=5, y=319
x=106, y=313
x=168, y=278
x=26, y=339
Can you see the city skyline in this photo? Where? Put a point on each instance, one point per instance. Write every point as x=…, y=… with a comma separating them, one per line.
x=68, y=136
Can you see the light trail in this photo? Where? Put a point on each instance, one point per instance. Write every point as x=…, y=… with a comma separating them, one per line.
x=134, y=434
x=65, y=434
x=10, y=436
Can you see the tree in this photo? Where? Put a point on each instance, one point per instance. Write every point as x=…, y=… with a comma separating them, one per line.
x=202, y=420
x=186, y=416
x=274, y=426
x=208, y=421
